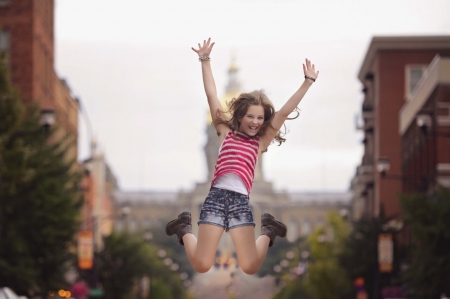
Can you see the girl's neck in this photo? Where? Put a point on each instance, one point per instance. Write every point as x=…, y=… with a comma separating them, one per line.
x=247, y=136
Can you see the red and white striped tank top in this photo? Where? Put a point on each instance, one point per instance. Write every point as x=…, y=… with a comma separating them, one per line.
x=238, y=155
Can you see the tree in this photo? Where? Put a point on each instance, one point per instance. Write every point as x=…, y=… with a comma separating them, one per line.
x=125, y=259
x=294, y=290
x=326, y=279
x=172, y=248
x=39, y=198
x=428, y=221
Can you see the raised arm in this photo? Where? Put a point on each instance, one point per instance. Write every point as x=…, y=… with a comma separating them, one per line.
x=203, y=52
x=280, y=117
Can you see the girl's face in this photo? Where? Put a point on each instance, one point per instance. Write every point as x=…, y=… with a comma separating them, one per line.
x=252, y=120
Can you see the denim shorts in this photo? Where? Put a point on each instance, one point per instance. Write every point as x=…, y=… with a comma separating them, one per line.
x=227, y=209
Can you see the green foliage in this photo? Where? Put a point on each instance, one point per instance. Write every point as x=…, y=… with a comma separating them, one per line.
x=173, y=249
x=428, y=220
x=11, y=109
x=125, y=259
x=160, y=290
x=359, y=257
x=39, y=198
x=326, y=279
x=294, y=290
x=277, y=253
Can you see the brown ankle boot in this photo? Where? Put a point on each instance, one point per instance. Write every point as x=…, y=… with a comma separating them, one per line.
x=272, y=228
x=180, y=226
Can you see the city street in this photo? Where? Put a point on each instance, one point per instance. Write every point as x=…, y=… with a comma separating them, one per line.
x=232, y=283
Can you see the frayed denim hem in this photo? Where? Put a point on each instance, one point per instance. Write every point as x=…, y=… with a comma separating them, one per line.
x=210, y=223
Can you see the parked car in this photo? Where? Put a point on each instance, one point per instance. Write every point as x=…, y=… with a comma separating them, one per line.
x=7, y=293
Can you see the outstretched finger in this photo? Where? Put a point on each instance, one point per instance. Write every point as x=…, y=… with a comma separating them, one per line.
x=199, y=47
x=313, y=68
x=211, y=46
x=196, y=51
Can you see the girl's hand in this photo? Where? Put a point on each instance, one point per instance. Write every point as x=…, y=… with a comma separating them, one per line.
x=204, y=50
x=310, y=70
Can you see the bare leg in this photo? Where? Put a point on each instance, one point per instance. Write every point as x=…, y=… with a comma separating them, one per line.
x=251, y=253
x=201, y=251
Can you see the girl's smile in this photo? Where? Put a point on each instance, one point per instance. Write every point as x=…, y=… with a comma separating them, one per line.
x=252, y=120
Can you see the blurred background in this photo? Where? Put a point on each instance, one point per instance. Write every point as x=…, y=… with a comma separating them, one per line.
x=105, y=136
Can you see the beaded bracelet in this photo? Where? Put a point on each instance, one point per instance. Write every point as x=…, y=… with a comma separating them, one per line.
x=308, y=77
x=204, y=58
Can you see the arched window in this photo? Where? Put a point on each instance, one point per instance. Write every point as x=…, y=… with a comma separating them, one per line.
x=133, y=225
x=292, y=232
x=306, y=227
x=320, y=221
x=119, y=226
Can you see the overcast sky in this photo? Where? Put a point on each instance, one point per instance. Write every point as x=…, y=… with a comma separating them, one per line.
x=131, y=65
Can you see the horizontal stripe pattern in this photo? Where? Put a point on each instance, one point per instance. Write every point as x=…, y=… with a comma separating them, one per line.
x=238, y=155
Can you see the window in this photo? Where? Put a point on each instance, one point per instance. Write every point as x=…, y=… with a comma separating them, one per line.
x=413, y=75
x=4, y=3
x=4, y=39
x=306, y=227
x=292, y=232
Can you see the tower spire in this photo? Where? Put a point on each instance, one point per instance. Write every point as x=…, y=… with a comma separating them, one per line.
x=233, y=81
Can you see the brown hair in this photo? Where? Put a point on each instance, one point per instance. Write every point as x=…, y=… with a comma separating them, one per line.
x=237, y=108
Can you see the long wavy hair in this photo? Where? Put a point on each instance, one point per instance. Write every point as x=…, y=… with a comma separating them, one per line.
x=237, y=108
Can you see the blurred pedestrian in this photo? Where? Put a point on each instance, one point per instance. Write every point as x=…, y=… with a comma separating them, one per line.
x=79, y=290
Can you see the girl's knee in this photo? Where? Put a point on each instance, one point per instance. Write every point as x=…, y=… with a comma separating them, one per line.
x=202, y=265
x=249, y=266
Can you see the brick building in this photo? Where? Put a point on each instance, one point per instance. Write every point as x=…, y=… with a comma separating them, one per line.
x=27, y=37
x=402, y=78
x=425, y=130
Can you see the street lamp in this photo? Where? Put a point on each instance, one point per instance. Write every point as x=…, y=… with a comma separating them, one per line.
x=47, y=119
x=383, y=165
x=162, y=253
x=148, y=236
x=425, y=122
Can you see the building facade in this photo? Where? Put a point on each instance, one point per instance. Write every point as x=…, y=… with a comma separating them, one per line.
x=98, y=184
x=391, y=75
x=425, y=130
x=27, y=39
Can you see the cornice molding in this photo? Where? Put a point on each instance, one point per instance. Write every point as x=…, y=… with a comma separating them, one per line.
x=380, y=43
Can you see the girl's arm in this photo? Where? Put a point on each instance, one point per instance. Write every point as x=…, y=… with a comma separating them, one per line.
x=210, y=85
x=290, y=105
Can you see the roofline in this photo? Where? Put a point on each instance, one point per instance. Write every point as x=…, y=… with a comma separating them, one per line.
x=379, y=43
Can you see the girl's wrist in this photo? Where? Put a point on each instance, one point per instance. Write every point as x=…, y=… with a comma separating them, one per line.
x=202, y=58
x=308, y=82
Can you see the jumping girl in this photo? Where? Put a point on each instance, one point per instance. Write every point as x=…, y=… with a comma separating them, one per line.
x=251, y=127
